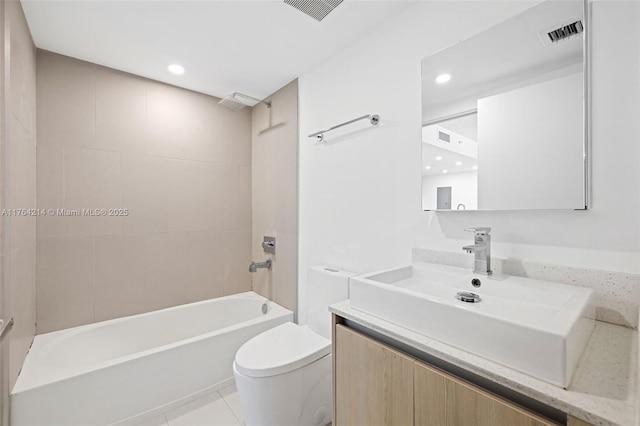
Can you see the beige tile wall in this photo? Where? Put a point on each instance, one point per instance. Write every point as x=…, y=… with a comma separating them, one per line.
x=18, y=188
x=177, y=160
x=275, y=193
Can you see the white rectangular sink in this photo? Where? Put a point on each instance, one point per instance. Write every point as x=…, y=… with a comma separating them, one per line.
x=537, y=327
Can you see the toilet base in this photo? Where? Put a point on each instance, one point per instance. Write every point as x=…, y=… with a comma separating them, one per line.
x=296, y=398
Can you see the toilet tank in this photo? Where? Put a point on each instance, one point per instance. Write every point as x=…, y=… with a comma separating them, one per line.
x=325, y=286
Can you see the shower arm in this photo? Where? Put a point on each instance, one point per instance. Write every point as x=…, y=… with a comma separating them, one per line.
x=5, y=326
x=234, y=94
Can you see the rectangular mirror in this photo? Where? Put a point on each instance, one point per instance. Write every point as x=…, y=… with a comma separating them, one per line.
x=504, y=115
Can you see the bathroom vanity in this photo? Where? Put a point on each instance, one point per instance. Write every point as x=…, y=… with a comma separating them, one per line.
x=388, y=374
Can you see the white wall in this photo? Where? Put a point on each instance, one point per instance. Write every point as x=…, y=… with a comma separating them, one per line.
x=531, y=144
x=360, y=197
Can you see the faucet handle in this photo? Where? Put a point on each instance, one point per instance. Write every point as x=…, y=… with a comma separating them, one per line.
x=479, y=230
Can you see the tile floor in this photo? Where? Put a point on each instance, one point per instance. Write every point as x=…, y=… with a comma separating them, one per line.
x=220, y=408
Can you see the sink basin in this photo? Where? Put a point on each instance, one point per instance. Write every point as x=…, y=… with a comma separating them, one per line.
x=537, y=327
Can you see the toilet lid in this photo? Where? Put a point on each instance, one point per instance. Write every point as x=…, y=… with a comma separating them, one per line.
x=281, y=349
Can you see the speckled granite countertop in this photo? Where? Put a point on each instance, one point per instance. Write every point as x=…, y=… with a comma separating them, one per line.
x=603, y=389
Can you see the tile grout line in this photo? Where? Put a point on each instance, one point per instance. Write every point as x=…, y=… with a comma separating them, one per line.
x=231, y=409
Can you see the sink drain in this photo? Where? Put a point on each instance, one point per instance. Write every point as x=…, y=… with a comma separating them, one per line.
x=468, y=297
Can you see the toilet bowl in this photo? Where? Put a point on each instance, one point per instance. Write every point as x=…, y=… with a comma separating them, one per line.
x=283, y=375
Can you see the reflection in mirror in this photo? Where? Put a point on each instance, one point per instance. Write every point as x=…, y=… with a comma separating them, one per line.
x=503, y=115
x=450, y=160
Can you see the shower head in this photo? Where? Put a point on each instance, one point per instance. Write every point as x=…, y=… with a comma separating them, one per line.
x=232, y=103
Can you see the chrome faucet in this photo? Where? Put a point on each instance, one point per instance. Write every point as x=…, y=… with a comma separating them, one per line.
x=482, y=250
x=254, y=266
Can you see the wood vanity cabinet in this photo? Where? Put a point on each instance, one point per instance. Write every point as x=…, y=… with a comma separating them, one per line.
x=441, y=399
x=375, y=384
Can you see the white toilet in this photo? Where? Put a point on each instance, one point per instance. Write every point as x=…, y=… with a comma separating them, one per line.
x=283, y=375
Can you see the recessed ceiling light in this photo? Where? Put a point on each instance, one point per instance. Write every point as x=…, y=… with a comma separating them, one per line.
x=176, y=69
x=438, y=158
x=445, y=171
x=427, y=167
x=475, y=167
x=443, y=78
x=458, y=163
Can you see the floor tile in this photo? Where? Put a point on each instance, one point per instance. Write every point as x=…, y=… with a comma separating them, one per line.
x=210, y=410
x=230, y=396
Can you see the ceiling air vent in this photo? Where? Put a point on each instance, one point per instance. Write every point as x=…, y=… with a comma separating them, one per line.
x=565, y=32
x=444, y=137
x=317, y=9
x=562, y=32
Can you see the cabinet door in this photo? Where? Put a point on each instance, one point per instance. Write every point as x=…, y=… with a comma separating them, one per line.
x=574, y=421
x=443, y=400
x=373, y=383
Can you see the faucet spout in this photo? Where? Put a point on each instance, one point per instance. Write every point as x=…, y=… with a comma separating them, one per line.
x=482, y=250
x=256, y=265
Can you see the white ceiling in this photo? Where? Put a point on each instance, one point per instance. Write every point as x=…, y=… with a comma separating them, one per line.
x=467, y=125
x=254, y=47
x=448, y=161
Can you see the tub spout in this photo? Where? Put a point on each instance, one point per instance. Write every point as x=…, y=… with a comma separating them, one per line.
x=255, y=266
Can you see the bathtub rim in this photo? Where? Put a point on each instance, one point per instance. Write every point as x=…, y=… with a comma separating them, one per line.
x=58, y=374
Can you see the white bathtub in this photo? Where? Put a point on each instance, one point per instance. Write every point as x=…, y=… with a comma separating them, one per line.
x=127, y=369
